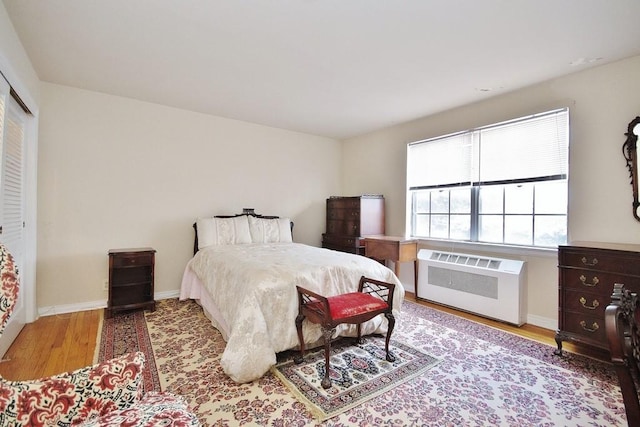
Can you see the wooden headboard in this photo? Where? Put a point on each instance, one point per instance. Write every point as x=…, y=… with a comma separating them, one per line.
x=245, y=211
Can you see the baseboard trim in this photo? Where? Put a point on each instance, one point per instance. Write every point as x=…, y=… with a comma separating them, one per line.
x=93, y=305
x=543, y=322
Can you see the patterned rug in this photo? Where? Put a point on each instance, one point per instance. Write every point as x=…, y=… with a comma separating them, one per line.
x=359, y=372
x=125, y=333
x=486, y=377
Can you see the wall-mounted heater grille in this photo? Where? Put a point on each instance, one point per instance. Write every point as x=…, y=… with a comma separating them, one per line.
x=490, y=287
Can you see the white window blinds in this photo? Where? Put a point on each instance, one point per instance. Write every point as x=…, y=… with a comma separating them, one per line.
x=443, y=161
x=532, y=148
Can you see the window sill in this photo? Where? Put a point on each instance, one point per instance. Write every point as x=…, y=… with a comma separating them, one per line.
x=475, y=247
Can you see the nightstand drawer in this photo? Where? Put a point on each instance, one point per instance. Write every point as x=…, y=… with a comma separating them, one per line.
x=133, y=260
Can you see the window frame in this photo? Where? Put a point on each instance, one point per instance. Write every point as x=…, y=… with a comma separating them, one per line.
x=536, y=240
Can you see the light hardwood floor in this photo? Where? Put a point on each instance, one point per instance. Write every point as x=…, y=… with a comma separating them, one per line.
x=51, y=345
x=60, y=343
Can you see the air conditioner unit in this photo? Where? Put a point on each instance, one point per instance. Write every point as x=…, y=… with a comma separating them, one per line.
x=489, y=287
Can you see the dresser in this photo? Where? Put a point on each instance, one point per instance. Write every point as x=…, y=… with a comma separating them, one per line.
x=131, y=279
x=587, y=272
x=349, y=219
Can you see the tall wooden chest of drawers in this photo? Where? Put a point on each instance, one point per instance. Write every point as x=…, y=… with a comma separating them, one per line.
x=587, y=272
x=351, y=218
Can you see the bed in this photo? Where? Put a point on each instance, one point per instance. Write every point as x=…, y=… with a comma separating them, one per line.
x=244, y=274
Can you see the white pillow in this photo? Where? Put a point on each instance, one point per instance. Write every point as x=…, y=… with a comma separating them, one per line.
x=223, y=231
x=276, y=230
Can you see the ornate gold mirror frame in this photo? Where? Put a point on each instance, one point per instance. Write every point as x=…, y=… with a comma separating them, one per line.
x=630, y=152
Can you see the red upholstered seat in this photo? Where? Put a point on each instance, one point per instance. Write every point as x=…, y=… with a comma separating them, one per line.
x=373, y=298
x=353, y=304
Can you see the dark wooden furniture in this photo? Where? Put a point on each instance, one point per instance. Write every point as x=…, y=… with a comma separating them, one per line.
x=396, y=249
x=587, y=272
x=349, y=219
x=131, y=279
x=630, y=152
x=622, y=319
x=373, y=297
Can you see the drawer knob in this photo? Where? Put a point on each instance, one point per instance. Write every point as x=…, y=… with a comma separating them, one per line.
x=593, y=305
x=591, y=263
x=593, y=327
x=593, y=283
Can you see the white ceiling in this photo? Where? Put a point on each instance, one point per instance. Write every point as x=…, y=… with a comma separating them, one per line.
x=336, y=68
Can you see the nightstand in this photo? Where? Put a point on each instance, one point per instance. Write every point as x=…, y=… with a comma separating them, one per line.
x=131, y=274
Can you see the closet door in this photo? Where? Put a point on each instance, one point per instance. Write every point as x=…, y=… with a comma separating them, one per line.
x=12, y=178
x=12, y=126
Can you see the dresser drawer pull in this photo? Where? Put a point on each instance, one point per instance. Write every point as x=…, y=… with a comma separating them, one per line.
x=594, y=282
x=593, y=328
x=593, y=305
x=590, y=264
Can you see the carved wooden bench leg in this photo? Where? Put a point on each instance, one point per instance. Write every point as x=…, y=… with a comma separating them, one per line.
x=299, y=357
x=328, y=333
x=392, y=324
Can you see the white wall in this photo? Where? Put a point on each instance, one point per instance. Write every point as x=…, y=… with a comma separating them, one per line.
x=15, y=63
x=120, y=173
x=602, y=102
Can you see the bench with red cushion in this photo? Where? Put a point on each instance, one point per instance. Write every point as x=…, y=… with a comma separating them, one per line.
x=374, y=297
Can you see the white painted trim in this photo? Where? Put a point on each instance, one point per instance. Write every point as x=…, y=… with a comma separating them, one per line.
x=30, y=217
x=55, y=310
x=11, y=330
x=93, y=305
x=167, y=295
x=543, y=322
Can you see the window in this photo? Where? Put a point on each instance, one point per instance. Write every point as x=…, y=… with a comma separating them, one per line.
x=504, y=183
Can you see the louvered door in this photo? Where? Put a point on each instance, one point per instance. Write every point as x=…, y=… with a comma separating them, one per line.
x=12, y=173
x=12, y=132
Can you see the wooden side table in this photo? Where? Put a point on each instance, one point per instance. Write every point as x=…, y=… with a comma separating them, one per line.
x=396, y=249
x=131, y=279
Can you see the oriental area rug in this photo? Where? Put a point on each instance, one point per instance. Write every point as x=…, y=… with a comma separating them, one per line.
x=358, y=373
x=485, y=377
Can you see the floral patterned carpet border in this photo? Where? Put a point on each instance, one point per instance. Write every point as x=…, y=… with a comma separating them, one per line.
x=126, y=333
x=486, y=377
x=359, y=372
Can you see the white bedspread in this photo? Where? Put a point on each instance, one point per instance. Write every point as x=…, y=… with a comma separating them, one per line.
x=253, y=289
